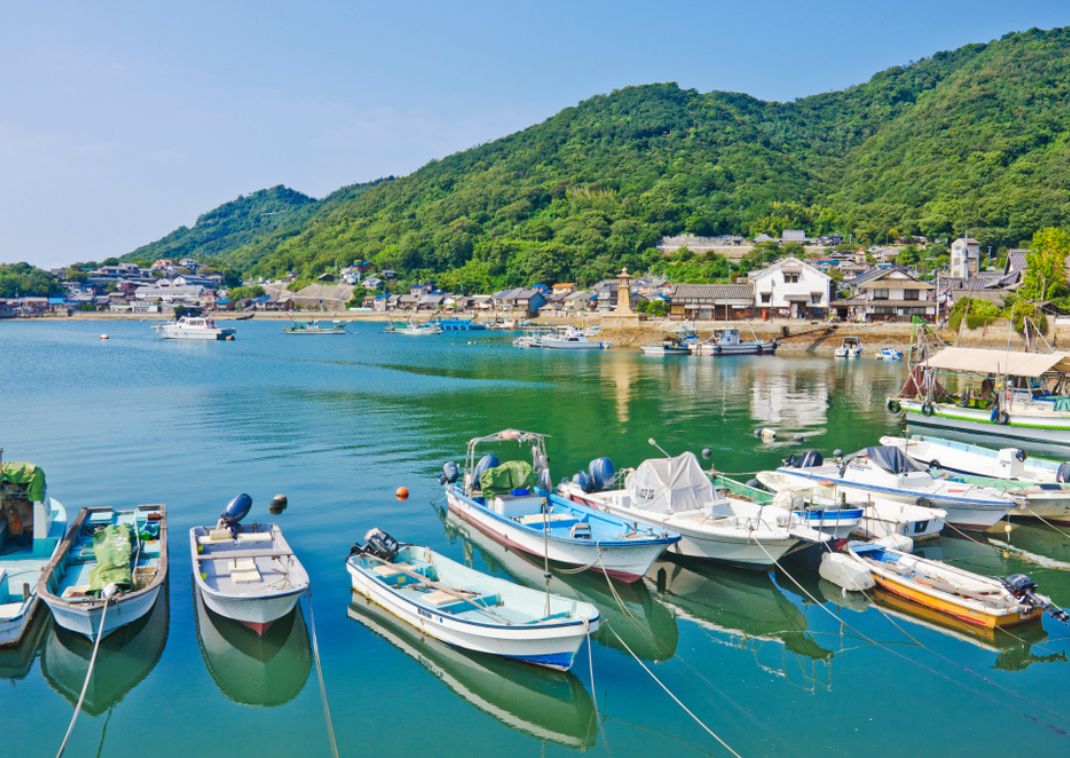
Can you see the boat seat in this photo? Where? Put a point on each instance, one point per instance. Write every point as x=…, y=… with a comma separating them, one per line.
x=254, y=536
x=242, y=564
x=10, y=611
x=76, y=590
x=553, y=518
x=551, y=617
x=245, y=577
x=472, y=604
x=400, y=573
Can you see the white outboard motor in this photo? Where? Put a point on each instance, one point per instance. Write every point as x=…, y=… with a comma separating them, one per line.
x=1011, y=462
x=381, y=545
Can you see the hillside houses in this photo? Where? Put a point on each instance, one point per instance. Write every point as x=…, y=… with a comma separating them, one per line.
x=791, y=288
x=887, y=294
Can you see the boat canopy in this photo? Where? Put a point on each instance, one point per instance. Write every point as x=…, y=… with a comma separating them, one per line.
x=889, y=458
x=670, y=485
x=983, y=361
x=29, y=475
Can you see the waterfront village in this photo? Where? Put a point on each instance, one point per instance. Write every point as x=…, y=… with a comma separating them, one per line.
x=813, y=279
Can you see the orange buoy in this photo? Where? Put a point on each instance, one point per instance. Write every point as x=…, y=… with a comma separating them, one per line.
x=402, y=493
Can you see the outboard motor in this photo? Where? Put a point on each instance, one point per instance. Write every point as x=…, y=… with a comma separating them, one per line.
x=381, y=545
x=790, y=462
x=1019, y=585
x=237, y=509
x=811, y=458
x=450, y=472
x=1062, y=474
x=486, y=463
x=603, y=473
x=582, y=480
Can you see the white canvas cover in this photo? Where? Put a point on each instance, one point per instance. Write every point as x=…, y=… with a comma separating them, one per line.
x=670, y=485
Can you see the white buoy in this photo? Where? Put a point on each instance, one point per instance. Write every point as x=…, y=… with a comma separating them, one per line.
x=845, y=572
x=767, y=434
x=103, y=336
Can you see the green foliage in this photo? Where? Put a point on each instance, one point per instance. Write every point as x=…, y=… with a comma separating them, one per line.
x=978, y=313
x=1045, y=279
x=684, y=266
x=24, y=280
x=245, y=293
x=973, y=139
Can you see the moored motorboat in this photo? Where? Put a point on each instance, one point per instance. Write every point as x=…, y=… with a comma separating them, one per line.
x=110, y=568
x=414, y=329
x=246, y=573
x=466, y=608
x=972, y=598
x=32, y=526
x=573, y=338
x=728, y=342
x=850, y=347
x=889, y=354
x=678, y=344
x=312, y=327
x=887, y=473
x=193, y=328
x=676, y=495
x=513, y=503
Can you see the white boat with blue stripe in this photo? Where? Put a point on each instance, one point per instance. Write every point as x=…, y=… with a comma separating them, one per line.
x=467, y=608
x=513, y=503
x=887, y=472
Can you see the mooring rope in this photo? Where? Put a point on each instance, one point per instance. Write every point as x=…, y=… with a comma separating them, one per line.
x=88, y=676
x=319, y=675
x=594, y=689
x=1034, y=514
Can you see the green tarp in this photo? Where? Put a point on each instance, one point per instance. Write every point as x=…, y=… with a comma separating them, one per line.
x=29, y=475
x=113, y=548
x=503, y=479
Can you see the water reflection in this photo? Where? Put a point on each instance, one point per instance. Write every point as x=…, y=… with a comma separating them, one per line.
x=125, y=658
x=253, y=670
x=549, y=705
x=743, y=608
x=645, y=625
x=16, y=660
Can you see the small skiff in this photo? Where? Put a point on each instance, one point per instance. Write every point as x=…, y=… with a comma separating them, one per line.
x=975, y=599
x=113, y=558
x=466, y=608
x=246, y=573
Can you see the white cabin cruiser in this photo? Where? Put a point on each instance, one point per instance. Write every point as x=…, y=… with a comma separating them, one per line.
x=193, y=328
x=851, y=347
x=675, y=494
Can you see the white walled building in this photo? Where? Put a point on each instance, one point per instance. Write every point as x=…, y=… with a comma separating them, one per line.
x=791, y=287
x=965, y=257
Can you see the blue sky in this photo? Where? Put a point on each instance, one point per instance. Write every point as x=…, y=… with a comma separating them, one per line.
x=120, y=121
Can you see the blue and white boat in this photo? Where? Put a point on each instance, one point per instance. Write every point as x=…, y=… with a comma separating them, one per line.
x=886, y=472
x=469, y=609
x=111, y=559
x=514, y=504
x=32, y=526
x=889, y=354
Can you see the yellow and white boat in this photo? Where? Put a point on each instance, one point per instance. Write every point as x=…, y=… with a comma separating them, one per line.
x=982, y=601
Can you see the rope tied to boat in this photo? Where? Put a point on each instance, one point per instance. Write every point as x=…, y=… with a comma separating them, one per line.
x=89, y=671
x=319, y=675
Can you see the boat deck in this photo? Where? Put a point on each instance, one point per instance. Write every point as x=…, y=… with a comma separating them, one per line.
x=18, y=568
x=80, y=559
x=254, y=562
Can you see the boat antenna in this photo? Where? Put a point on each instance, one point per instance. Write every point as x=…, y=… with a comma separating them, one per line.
x=654, y=443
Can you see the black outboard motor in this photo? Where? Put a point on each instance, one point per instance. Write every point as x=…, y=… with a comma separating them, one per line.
x=811, y=458
x=791, y=461
x=237, y=509
x=450, y=472
x=1019, y=585
x=381, y=545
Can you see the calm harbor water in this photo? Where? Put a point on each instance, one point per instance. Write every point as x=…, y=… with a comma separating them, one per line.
x=337, y=423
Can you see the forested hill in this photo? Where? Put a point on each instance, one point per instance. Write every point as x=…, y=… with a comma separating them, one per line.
x=974, y=139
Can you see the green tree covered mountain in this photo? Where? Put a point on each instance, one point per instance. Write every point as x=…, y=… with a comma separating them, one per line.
x=974, y=139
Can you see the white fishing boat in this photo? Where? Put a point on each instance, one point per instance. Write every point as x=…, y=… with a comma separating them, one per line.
x=193, y=328
x=851, y=347
x=32, y=525
x=246, y=573
x=728, y=342
x=677, y=344
x=312, y=328
x=111, y=566
x=413, y=329
x=466, y=608
x=980, y=600
x=1040, y=486
x=676, y=495
x=513, y=503
x=528, y=341
x=888, y=474
x=999, y=395
x=572, y=338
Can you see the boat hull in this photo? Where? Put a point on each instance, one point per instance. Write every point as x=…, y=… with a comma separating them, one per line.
x=960, y=612
x=1020, y=428
x=188, y=334
x=553, y=344
x=86, y=620
x=554, y=647
x=13, y=627
x=257, y=613
x=765, y=348
x=626, y=563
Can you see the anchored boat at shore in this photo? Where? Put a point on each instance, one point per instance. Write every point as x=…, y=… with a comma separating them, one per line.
x=193, y=328
x=312, y=328
x=728, y=342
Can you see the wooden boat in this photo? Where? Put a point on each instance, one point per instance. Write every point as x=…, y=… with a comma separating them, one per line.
x=32, y=526
x=89, y=572
x=676, y=495
x=975, y=599
x=463, y=607
x=246, y=573
x=514, y=504
x=315, y=328
x=729, y=342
